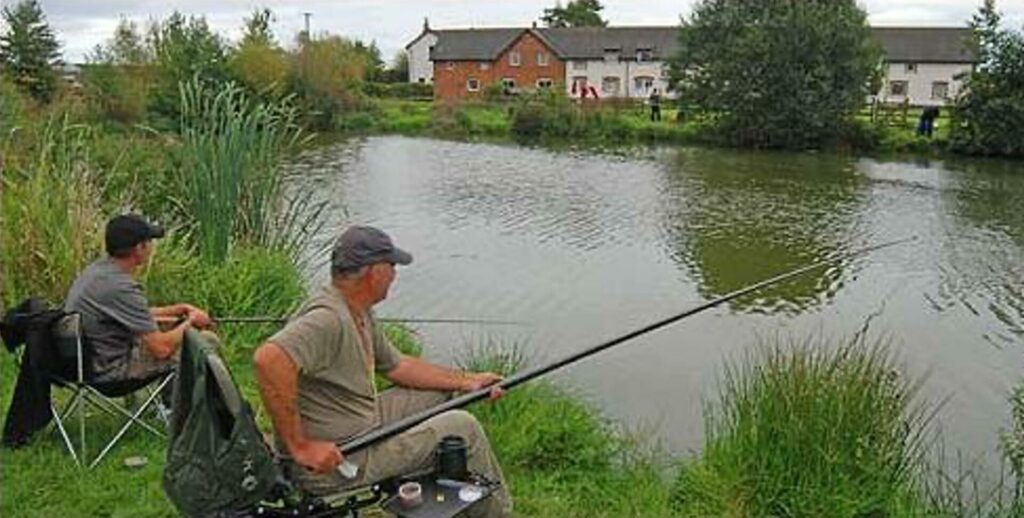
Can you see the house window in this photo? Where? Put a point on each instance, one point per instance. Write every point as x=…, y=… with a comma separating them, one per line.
x=514, y=59
x=473, y=84
x=423, y=80
x=910, y=68
x=579, y=82
x=542, y=59
x=898, y=88
x=579, y=65
x=508, y=84
x=610, y=85
x=666, y=71
x=643, y=85
x=611, y=55
x=644, y=55
x=940, y=90
x=544, y=83
x=485, y=65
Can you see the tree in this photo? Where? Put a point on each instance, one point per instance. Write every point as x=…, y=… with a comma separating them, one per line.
x=29, y=51
x=577, y=13
x=257, y=29
x=259, y=62
x=776, y=73
x=184, y=48
x=119, y=76
x=989, y=111
x=327, y=77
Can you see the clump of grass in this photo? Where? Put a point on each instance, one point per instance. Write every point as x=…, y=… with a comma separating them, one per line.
x=233, y=185
x=560, y=456
x=810, y=430
x=51, y=214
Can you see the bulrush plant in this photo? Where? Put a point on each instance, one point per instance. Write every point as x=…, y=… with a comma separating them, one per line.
x=232, y=181
x=811, y=429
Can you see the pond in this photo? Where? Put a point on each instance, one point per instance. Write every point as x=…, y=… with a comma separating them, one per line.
x=581, y=247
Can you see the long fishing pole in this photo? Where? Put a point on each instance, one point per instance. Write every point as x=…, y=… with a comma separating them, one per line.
x=404, y=424
x=398, y=320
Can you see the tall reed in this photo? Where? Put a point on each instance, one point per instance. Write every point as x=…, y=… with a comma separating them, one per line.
x=51, y=214
x=233, y=187
x=811, y=430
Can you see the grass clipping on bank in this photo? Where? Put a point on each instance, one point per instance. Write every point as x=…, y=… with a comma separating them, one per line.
x=808, y=429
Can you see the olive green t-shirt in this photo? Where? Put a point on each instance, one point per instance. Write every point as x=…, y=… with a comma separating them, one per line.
x=337, y=398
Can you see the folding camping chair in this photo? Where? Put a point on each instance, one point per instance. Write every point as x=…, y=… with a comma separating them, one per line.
x=67, y=336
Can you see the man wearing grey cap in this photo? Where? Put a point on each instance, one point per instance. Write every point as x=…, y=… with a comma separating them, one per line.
x=316, y=378
x=117, y=321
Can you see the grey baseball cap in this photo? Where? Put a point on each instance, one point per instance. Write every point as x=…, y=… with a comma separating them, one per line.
x=363, y=245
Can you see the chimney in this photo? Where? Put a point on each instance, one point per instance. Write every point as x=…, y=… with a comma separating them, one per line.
x=535, y=24
x=426, y=24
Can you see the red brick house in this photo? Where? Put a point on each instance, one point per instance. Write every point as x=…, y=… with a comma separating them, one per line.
x=466, y=62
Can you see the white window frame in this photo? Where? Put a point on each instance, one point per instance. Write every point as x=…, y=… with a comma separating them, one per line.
x=509, y=83
x=944, y=86
x=472, y=84
x=485, y=65
x=547, y=80
x=910, y=68
x=579, y=65
x=644, y=55
x=515, y=59
x=542, y=59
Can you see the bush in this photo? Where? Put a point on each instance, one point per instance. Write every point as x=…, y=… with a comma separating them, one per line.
x=117, y=92
x=262, y=68
x=990, y=110
x=327, y=77
x=399, y=90
x=810, y=430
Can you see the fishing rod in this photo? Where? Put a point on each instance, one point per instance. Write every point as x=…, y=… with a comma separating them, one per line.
x=404, y=424
x=397, y=320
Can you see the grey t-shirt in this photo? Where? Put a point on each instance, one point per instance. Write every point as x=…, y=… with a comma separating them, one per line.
x=337, y=398
x=114, y=313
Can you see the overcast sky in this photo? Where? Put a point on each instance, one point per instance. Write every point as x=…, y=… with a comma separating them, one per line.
x=81, y=24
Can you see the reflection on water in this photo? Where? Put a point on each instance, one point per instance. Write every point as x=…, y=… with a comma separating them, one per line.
x=585, y=247
x=736, y=219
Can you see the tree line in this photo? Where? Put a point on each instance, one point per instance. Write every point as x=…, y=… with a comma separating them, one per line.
x=136, y=74
x=768, y=73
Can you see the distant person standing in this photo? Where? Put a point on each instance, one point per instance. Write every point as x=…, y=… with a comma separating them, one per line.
x=926, y=125
x=655, y=101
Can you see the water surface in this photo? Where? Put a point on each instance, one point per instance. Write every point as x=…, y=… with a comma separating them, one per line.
x=582, y=247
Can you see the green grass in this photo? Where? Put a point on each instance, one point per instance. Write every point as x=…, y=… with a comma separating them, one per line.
x=811, y=430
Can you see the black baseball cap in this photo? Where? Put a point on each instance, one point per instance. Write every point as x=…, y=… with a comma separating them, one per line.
x=362, y=245
x=128, y=230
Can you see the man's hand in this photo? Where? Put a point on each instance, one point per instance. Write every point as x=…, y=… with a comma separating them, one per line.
x=319, y=456
x=199, y=318
x=474, y=381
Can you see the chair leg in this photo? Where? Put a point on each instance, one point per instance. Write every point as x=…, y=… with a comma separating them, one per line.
x=64, y=434
x=133, y=419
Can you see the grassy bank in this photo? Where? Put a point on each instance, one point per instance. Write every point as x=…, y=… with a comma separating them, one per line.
x=556, y=120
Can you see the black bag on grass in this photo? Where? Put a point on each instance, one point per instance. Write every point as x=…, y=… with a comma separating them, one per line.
x=216, y=458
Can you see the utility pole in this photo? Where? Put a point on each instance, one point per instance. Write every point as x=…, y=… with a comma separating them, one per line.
x=309, y=36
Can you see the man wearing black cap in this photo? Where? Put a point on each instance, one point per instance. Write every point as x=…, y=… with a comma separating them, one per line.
x=316, y=378
x=117, y=321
